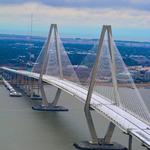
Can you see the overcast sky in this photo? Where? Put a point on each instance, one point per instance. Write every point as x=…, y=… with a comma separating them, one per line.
x=130, y=19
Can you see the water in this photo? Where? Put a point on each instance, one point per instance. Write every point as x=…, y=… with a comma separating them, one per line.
x=22, y=128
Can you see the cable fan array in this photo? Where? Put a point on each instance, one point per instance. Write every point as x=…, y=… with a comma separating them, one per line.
x=52, y=63
x=128, y=95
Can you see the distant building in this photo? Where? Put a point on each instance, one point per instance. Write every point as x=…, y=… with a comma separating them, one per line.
x=140, y=74
x=147, y=76
x=124, y=77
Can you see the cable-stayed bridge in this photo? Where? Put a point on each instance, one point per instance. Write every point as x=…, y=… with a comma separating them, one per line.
x=105, y=86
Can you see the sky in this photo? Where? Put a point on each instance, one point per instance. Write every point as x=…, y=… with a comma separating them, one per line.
x=130, y=19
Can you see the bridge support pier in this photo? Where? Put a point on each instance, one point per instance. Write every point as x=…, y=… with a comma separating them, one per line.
x=18, y=81
x=28, y=85
x=28, y=89
x=96, y=143
x=100, y=144
x=45, y=106
x=35, y=91
x=24, y=84
x=130, y=142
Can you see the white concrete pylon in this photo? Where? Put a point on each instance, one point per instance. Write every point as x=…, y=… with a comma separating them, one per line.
x=44, y=99
x=90, y=91
x=53, y=29
x=106, y=28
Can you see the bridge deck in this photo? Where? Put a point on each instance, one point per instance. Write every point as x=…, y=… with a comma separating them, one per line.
x=124, y=120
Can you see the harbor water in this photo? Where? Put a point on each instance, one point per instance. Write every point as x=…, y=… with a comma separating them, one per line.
x=22, y=128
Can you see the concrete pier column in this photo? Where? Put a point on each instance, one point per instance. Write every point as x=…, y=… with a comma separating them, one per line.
x=130, y=142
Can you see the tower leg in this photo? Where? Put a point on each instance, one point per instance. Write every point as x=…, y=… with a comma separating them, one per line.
x=101, y=144
x=90, y=124
x=45, y=106
x=57, y=96
x=109, y=133
x=44, y=98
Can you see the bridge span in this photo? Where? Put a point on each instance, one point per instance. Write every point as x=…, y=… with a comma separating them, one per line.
x=135, y=125
x=124, y=120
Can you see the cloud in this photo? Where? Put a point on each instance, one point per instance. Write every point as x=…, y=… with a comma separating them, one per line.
x=77, y=21
x=119, y=4
x=76, y=16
